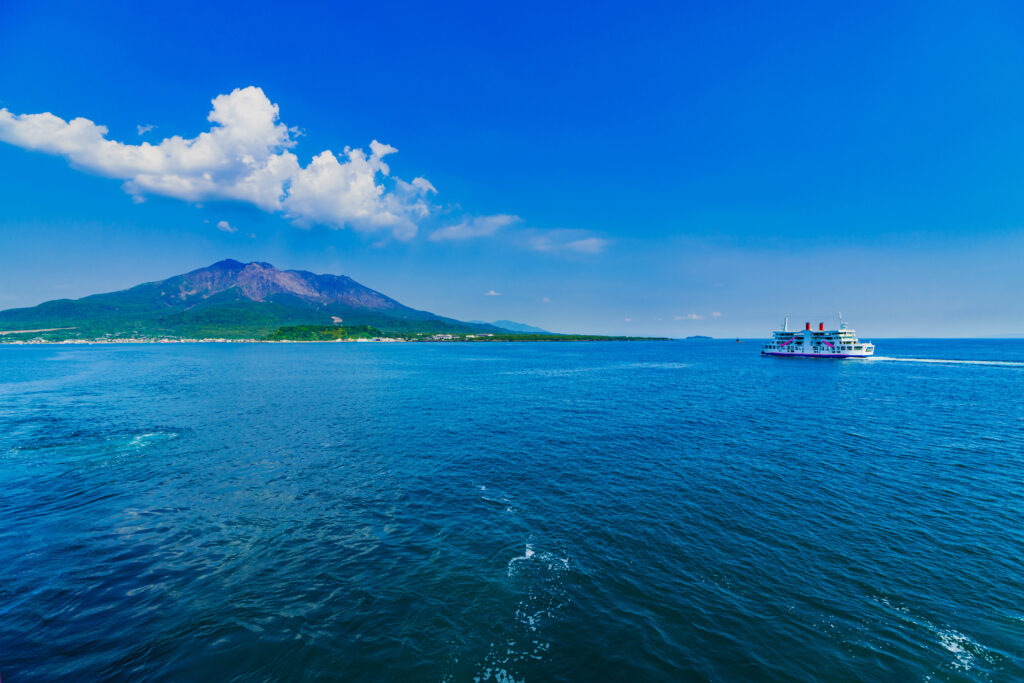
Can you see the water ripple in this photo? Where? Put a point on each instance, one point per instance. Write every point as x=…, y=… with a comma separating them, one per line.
x=511, y=512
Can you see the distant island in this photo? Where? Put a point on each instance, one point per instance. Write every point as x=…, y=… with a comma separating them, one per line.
x=513, y=326
x=234, y=301
x=699, y=336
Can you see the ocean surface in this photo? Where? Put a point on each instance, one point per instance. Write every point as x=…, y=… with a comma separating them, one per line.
x=511, y=512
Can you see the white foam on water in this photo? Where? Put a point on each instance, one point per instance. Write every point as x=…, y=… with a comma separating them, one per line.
x=899, y=608
x=500, y=662
x=948, y=361
x=142, y=439
x=961, y=646
x=532, y=620
x=495, y=674
x=540, y=576
x=965, y=650
x=664, y=365
x=527, y=554
x=550, y=561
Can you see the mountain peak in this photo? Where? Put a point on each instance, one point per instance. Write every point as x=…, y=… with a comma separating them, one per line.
x=226, y=264
x=261, y=281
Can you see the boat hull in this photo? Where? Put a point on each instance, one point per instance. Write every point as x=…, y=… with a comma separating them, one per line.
x=834, y=356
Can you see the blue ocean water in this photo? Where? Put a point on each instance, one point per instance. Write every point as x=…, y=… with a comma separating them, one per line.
x=544, y=511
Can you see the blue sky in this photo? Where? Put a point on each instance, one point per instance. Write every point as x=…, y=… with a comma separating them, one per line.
x=603, y=168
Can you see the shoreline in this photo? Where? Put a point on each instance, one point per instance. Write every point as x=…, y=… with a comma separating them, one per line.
x=90, y=342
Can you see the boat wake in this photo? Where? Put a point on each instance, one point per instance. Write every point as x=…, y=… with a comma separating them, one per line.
x=949, y=361
x=541, y=577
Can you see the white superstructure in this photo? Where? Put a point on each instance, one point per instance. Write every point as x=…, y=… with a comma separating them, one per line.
x=819, y=343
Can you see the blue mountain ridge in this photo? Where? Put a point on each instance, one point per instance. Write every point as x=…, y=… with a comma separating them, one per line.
x=512, y=326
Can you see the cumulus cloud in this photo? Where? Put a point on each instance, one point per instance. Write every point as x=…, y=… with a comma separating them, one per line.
x=224, y=226
x=333, y=191
x=492, y=293
x=244, y=156
x=480, y=226
x=575, y=241
x=145, y=129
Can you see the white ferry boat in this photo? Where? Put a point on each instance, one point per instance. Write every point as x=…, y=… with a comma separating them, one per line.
x=819, y=343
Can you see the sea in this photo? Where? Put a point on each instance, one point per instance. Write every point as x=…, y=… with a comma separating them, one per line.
x=590, y=511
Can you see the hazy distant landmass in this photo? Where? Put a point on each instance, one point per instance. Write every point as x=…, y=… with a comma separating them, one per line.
x=699, y=336
x=513, y=326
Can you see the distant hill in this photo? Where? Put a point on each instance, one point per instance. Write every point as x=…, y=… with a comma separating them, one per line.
x=513, y=326
x=230, y=299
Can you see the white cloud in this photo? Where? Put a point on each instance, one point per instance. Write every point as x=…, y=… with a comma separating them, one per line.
x=545, y=300
x=590, y=245
x=716, y=314
x=480, y=226
x=492, y=293
x=224, y=226
x=628, y=320
x=145, y=129
x=561, y=241
x=244, y=156
x=690, y=316
x=334, y=192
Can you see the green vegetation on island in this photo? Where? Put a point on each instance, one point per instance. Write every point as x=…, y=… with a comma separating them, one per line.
x=325, y=333
x=550, y=337
x=367, y=332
